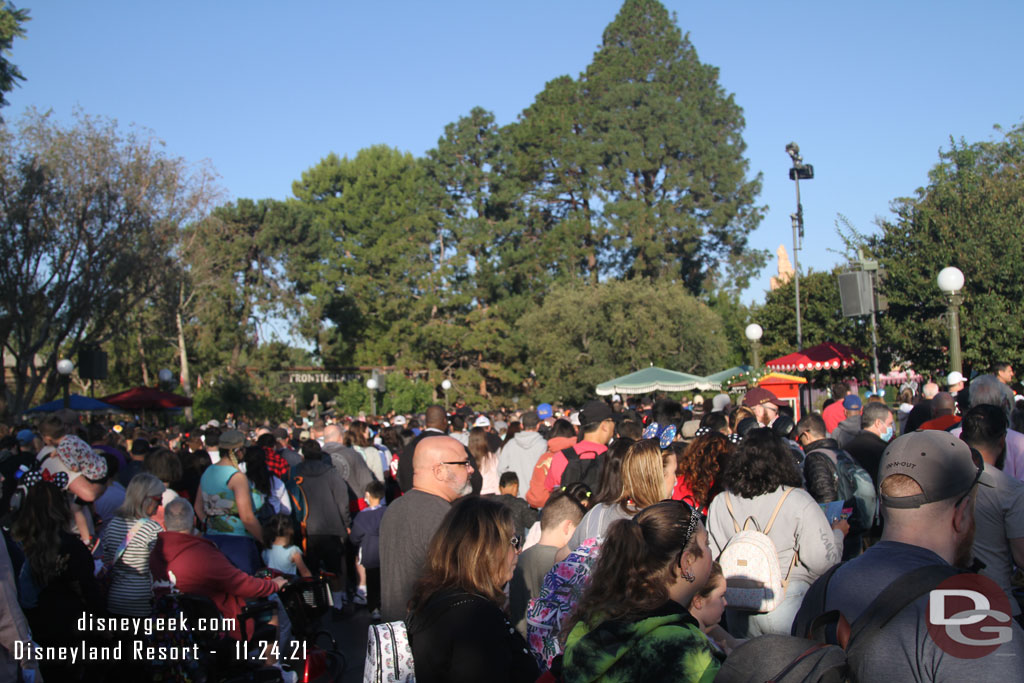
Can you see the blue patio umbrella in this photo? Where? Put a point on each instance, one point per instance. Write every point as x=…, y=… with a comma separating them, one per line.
x=77, y=402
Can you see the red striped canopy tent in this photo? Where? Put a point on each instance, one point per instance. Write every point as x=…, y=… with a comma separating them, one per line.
x=824, y=356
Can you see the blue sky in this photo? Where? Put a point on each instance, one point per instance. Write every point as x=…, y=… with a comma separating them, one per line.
x=871, y=91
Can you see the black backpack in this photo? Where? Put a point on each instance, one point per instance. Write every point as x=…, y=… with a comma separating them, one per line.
x=824, y=646
x=579, y=470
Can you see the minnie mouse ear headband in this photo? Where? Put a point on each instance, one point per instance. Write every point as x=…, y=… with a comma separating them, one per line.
x=664, y=435
x=33, y=477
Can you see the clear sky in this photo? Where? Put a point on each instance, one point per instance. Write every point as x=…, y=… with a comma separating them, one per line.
x=871, y=90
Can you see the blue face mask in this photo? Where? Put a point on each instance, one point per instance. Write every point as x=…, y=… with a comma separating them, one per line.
x=887, y=434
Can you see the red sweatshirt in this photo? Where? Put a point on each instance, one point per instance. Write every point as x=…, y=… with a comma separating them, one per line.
x=200, y=567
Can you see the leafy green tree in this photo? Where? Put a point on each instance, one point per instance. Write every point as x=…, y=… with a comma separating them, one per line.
x=673, y=177
x=235, y=282
x=379, y=273
x=969, y=216
x=586, y=334
x=12, y=25
x=91, y=216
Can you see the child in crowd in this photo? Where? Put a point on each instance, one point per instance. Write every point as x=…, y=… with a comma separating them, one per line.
x=508, y=495
x=707, y=607
x=558, y=521
x=281, y=554
x=366, y=536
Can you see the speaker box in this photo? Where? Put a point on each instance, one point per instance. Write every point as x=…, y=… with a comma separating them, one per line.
x=92, y=364
x=855, y=293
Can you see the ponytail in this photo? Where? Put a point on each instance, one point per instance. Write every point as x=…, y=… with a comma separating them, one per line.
x=637, y=563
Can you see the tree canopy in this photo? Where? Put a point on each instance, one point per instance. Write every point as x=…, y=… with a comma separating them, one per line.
x=969, y=216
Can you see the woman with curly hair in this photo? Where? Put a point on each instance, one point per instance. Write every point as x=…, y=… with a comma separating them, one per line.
x=761, y=482
x=632, y=622
x=698, y=468
x=457, y=625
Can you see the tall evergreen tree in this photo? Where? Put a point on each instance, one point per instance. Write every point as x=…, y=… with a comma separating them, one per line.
x=673, y=177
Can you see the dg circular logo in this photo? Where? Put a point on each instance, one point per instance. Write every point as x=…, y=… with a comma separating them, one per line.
x=969, y=616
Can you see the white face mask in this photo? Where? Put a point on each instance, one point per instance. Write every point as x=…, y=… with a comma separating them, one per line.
x=887, y=434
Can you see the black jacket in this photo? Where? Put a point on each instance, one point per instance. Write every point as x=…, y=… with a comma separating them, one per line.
x=821, y=482
x=866, y=448
x=326, y=496
x=462, y=638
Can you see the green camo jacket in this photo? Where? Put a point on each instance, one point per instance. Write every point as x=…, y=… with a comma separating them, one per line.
x=666, y=645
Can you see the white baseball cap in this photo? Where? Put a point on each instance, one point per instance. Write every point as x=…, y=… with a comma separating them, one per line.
x=482, y=421
x=954, y=378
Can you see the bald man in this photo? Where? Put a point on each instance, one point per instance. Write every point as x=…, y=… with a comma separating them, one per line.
x=435, y=424
x=440, y=474
x=943, y=411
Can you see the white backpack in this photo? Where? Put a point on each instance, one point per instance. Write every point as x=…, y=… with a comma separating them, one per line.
x=388, y=654
x=750, y=564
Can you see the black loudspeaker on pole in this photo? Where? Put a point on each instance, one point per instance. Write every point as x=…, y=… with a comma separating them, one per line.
x=92, y=364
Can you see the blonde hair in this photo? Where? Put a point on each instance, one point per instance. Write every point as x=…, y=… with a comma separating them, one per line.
x=643, y=475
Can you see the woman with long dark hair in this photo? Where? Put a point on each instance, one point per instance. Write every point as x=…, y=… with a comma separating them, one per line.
x=56, y=585
x=632, y=623
x=485, y=462
x=458, y=627
x=762, y=485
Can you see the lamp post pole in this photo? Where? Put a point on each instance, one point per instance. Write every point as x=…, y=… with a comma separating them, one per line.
x=753, y=333
x=951, y=281
x=446, y=385
x=371, y=384
x=65, y=368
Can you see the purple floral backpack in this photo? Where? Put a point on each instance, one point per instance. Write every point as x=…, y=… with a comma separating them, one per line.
x=563, y=586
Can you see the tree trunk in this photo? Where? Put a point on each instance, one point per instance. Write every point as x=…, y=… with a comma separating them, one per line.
x=186, y=382
x=142, y=358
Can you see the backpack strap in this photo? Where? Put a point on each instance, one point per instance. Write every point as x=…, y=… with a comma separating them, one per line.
x=897, y=596
x=728, y=504
x=570, y=453
x=775, y=512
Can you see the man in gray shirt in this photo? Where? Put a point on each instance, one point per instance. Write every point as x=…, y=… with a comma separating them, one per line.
x=928, y=482
x=999, y=539
x=440, y=474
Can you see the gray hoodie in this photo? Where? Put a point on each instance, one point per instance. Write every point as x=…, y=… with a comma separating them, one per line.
x=520, y=455
x=846, y=430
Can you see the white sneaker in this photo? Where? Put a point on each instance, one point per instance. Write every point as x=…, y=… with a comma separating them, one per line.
x=375, y=615
x=360, y=596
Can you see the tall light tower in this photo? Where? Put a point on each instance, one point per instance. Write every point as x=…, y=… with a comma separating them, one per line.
x=800, y=171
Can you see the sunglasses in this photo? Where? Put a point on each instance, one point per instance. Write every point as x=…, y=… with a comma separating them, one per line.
x=979, y=462
x=464, y=463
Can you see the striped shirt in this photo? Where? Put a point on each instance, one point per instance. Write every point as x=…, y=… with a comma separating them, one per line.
x=131, y=584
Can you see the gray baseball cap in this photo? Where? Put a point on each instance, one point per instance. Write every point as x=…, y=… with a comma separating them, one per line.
x=942, y=465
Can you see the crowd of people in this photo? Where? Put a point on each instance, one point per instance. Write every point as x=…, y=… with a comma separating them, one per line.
x=647, y=538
